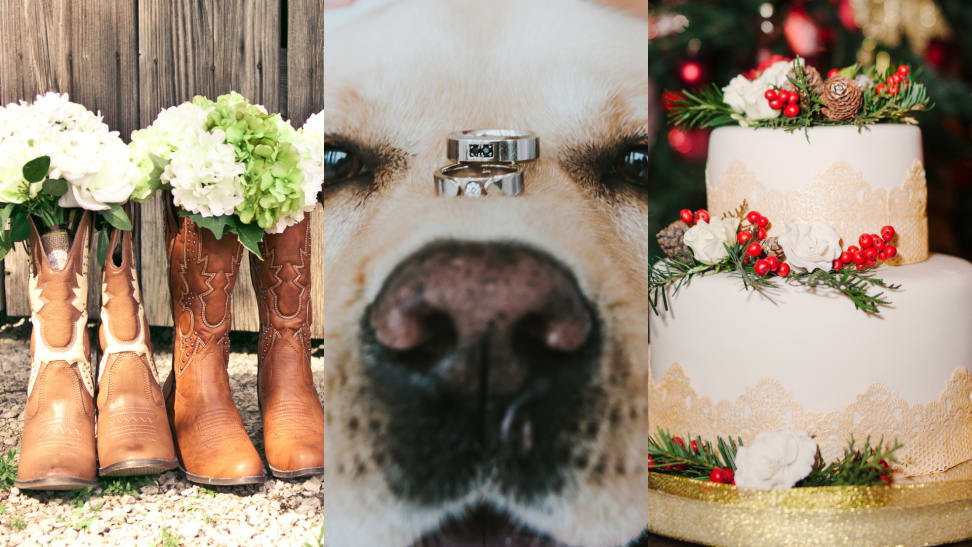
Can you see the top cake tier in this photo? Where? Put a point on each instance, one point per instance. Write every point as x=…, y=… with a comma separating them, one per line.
x=855, y=180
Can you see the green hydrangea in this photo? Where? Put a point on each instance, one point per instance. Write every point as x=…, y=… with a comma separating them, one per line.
x=263, y=142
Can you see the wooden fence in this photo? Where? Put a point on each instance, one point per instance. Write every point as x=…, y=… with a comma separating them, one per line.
x=130, y=59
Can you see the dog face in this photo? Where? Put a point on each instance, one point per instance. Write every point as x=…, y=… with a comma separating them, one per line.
x=486, y=356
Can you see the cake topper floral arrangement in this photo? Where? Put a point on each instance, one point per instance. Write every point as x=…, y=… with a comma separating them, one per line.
x=807, y=254
x=791, y=95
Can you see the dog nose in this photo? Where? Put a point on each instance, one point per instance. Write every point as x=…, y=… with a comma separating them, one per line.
x=477, y=318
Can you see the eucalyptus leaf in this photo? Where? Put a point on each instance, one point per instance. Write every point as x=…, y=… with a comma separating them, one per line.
x=36, y=169
x=55, y=187
x=117, y=217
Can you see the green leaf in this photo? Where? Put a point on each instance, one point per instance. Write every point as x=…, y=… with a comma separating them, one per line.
x=117, y=217
x=36, y=169
x=250, y=237
x=5, y=213
x=850, y=71
x=217, y=225
x=6, y=244
x=102, y=247
x=55, y=187
x=19, y=228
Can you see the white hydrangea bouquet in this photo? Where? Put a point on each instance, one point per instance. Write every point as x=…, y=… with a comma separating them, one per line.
x=57, y=158
x=230, y=166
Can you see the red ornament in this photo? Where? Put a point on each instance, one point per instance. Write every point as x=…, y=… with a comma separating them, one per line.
x=846, y=258
x=702, y=216
x=686, y=216
x=836, y=264
x=791, y=110
x=783, y=270
x=802, y=33
x=890, y=250
x=887, y=233
x=762, y=221
x=761, y=233
x=770, y=94
x=832, y=72
x=773, y=262
x=865, y=241
x=691, y=72
x=716, y=475
x=744, y=237
x=753, y=249
x=776, y=104
x=903, y=70
x=692, y=143
x=752, y=217
x=885, y=479
x=762, y=267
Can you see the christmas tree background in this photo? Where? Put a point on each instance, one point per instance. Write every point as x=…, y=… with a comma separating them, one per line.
x=700, y=42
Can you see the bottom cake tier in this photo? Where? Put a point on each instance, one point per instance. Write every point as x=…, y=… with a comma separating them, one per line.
x=728, y=361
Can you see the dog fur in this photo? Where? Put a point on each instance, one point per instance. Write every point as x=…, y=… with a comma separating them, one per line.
x=397, y=82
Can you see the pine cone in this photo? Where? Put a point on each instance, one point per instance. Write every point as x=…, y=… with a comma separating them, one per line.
x=671, y=239
x=813, y=79
x=842, y=98
x=771, y=246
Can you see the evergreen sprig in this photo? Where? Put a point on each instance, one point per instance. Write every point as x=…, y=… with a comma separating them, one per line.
x=855, y=284
x=673, y=455
x=857, y=467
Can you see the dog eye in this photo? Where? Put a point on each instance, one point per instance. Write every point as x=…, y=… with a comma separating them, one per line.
x=341, y=163
x=633, y=164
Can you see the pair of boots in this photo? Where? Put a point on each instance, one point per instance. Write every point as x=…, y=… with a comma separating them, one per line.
x=212, y=445
x=58, y=448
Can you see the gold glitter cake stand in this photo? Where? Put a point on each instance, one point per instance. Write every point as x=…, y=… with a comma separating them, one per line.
x=928, y=513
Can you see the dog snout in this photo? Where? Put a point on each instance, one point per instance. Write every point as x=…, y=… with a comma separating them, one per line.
x=474, y=313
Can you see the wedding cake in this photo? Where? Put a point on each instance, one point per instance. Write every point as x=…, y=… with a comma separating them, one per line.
x=736, y=362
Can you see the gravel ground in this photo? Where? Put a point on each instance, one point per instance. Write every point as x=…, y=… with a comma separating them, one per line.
x=160, y=510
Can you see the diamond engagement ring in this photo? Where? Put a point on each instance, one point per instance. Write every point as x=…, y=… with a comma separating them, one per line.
x=479, y=179
x=493, y=146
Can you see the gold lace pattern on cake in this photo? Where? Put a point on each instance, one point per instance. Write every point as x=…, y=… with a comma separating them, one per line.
x=839, y=196
x=935, y=436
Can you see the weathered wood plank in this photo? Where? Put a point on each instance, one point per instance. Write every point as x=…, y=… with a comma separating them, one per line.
x=175, y=43
x=247, y=60
x=305, y=96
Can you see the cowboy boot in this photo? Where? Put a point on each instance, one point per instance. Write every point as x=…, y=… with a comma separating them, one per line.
x=133, y=430
x=293, y=420
x=57, y=450
x=211, y=443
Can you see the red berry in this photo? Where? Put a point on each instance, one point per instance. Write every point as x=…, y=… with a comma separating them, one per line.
x=887, y=233
x=903, y=70
x=885, y=479
x=651, y=461
x=783, y=95
x=717, y=475
x=870, y=253
x=836, y=264
x=776, y=104
x=861, y=266
x=791, y=110
x=761, y=233
x=762, y=267
x=679, y=441
x=832, y=72
x=762, y=221
x=893, y=90
x=877, y=242
x=773, y=262
x=770, y=94
x=695, y=447
x=729, y=475
x=852, y=249
x=686, y=216
x=794, y=98
x=744, y=236
x=858, y=257
x=752, y=217
x=702, y=216
x=753, y=249
x=882, y=255
x=879, y=88
x=865, y=241
x=846, y=258
x=891, y=81
x=783, y=270
x=884, y=464
x=890, y=250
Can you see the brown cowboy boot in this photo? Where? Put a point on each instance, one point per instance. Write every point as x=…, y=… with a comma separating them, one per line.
x=133, y=430
x=211, y=442
x=293, y=420
x=58, y=444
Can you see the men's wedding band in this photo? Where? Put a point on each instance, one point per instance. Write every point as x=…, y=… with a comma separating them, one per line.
x=475, y=180
x=493, y=146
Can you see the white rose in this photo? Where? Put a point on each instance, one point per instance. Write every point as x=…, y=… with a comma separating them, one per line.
x=112, y=183
x=204, y=174
x=708, y=240
x=14, y=153
x=810, y=245
x=775, y=460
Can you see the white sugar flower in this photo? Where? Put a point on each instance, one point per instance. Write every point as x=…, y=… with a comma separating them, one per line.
x=810, y=245
x=708, y=240
x=775, y=460
x=204, y=174
x=746, y=97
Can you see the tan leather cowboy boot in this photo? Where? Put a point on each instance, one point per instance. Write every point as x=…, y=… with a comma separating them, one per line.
x=58, y=444
x=133, y=430
x=211, y=443
x=293, y=420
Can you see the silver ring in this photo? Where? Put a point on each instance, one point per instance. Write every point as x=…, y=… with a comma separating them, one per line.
x=493, y=146
x=479, y=179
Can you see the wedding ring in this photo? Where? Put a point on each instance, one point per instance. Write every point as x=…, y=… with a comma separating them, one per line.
x=479, y=179
x=493, y=146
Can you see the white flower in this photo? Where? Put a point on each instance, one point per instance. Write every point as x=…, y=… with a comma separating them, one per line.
x=112, y=183
x=863, y=82
x=14, y=153
x=775, y=74
x=204, y=174
x=746, y=96
x=309, y=140
x=708, y=240
x=775, y=460
x=810, y=245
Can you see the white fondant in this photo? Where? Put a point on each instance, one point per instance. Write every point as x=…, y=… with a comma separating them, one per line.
x=818, y=345
x=787, y=161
